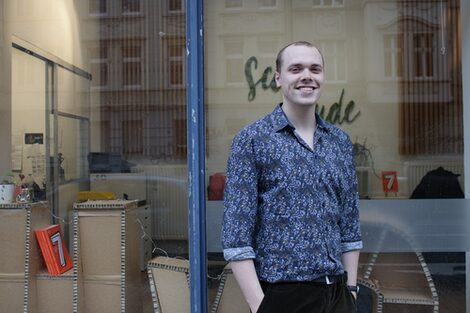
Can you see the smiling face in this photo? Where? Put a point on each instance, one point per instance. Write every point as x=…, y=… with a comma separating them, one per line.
x=301, y=75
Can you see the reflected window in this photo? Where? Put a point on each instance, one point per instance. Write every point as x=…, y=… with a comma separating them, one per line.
x=393, y=55
x=180, y=125
x=267, y=3
x=423, y=55
x=334, y=53
x=231, y=4
x=131, y=6
x=99, y=66
x=234, y=61
x=98, y=7
x=328, y=3
x=176, y=64
x=132, y=65
x=175, y=5
x=132, y=137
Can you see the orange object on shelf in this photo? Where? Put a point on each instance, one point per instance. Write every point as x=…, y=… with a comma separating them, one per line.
x=389, y=181
x=54, y=251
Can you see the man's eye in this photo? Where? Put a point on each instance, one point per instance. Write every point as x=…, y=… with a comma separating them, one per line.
x=295, y=70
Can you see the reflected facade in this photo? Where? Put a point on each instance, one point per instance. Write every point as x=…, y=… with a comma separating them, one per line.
x=94, y=111
x=394, y=83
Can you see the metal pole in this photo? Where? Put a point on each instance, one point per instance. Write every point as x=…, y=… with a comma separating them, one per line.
x=196, y=156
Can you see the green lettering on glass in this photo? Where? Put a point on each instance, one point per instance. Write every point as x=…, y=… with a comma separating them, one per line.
x=335, y=114
x=253, y=63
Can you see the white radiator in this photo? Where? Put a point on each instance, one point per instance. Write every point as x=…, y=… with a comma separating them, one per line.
x=167, y=198
x=415, y=170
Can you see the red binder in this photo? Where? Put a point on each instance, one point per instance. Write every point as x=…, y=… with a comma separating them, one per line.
x=54, y=251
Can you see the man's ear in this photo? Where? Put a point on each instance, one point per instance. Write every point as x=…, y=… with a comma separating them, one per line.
x=276, y=77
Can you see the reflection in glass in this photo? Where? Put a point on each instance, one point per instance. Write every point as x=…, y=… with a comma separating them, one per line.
x=129, y=121
x=394, y=84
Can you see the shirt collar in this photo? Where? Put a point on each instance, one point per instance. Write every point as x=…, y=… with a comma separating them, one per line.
x=280, y=120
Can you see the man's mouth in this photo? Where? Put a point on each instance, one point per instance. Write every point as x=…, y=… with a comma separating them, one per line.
x=306, y=88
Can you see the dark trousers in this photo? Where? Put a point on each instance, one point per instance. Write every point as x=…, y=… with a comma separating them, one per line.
x=307, y=297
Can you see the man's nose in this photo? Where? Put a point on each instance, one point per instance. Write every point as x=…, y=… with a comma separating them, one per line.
x=307, y=74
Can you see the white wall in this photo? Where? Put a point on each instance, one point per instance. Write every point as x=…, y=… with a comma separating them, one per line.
x=51, y=26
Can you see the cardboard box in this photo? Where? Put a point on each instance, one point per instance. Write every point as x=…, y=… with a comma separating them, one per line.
x=108, y=256
x=20, y=259
x=11, y=292
x=55, y=292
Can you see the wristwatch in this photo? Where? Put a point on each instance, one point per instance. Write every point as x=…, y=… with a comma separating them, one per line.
x=353, y=289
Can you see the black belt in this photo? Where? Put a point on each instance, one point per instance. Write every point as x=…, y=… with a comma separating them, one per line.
x=325, y=280
x=331, y=279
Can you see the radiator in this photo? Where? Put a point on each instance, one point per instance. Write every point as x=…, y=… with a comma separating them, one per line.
x=415, y=170
x=167, y=198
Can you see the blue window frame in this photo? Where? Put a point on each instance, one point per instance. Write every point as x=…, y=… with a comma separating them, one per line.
x=196, y=155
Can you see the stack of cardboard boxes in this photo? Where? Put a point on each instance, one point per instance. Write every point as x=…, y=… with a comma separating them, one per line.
x=106, y=275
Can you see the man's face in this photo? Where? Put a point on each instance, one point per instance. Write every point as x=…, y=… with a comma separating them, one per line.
x=301, y=77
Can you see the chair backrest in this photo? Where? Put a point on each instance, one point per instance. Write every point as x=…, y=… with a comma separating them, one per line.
x=169, y=284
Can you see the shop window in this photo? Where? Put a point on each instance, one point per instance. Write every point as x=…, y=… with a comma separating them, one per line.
x=232, y=4
x=132, y=65
x=234, y=61
x=98, y=7
x=176, y=6
x=334, y=54
x=131, y=6
x=393, y=55
x=176, y=64
x=328, y=3
x=99, y=66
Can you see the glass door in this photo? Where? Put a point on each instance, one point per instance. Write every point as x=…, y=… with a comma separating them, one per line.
x=51, y=129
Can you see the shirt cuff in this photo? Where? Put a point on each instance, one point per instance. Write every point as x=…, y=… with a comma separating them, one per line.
x=350, y=246
x=238, y=254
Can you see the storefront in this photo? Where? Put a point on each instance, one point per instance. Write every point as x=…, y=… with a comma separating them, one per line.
x=141, y=99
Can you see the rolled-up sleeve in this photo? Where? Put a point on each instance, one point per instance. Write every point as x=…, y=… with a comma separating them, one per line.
x=240, y=200
x=349, y=221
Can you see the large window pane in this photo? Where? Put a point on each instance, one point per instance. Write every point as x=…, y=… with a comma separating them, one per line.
x=94, y=118
x=394, y=84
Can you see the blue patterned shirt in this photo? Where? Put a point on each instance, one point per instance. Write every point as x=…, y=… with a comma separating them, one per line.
x=292, y=209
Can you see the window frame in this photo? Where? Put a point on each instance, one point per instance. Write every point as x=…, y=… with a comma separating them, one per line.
x=132, y=60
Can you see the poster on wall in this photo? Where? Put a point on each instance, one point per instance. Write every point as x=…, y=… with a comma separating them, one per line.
x=33, y=138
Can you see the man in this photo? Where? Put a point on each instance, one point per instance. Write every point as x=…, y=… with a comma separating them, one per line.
x=291, y=227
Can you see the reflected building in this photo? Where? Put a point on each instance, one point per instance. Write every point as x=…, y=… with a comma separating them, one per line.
x=137, y=61
x=392, y=69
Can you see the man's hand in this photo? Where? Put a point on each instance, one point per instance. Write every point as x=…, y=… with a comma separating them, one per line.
x=255, y=307
x=245, y=274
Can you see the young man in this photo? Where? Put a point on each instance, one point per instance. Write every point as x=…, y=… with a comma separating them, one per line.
x=291, y=223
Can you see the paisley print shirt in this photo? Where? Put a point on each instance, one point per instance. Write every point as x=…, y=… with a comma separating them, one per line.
x=292, y=209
